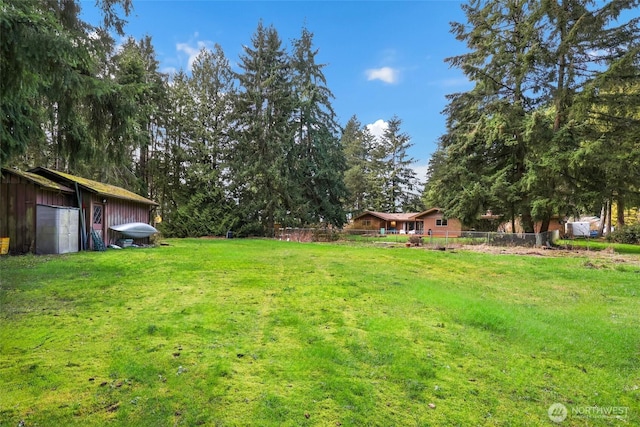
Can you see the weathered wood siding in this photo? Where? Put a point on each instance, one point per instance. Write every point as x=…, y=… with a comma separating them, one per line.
x=119, y=211
x=18, y=200
x=115, y=212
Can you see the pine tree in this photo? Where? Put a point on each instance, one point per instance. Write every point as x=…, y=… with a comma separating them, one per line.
x=356, y=141
x=263, y=136
x=319, y=164
x=48, y=60
x=133, y=115
x=510, y=140
x=488, y=122
x=582, y=41
x=173, y=161
x=401, y=181
x=206, y=206
x=609, y=153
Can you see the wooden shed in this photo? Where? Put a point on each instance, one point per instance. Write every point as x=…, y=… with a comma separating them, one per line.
x=20, y=195
x=102, y=206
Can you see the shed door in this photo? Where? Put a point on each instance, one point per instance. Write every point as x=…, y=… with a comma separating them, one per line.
x=98, y=219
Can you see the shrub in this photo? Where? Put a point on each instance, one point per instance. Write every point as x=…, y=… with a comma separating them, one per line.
x=415, y=240
x=627, y=234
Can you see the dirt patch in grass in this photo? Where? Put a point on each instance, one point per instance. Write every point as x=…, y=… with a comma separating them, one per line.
x=604, y=255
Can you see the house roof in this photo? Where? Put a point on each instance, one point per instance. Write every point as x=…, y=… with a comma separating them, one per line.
x=424, y=213
x=39, y=180
x=388, y=216
x=99, y=188
x=408, y=216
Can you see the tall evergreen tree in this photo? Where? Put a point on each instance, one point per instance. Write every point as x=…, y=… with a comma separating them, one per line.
x=527, y=60
x=582, y=40
x=319, y=161
x=485, y=149
x=401, y=183
x=356, y=141
x=172, y=164
x=206, y=206
x=263, y=135
x=609, y=153
x=48, y=68
x=134, y=114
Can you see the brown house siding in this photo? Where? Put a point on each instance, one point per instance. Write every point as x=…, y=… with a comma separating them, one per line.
x=555, y=224
x=452, y=229
x=430, y=220
x=103, y=206
x=369, y=222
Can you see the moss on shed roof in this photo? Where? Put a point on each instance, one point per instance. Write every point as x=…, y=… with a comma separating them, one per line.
x=99, y=187
x=40, y=180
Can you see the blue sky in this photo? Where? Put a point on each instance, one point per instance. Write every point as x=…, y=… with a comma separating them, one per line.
x=383, y=58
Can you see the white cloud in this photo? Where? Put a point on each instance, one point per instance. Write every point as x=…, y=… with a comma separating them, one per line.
x=377, y=128
x=192, y=50
x=421, y=171
x=385, y=74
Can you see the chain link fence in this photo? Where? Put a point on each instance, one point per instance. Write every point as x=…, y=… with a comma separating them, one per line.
x=436, y=239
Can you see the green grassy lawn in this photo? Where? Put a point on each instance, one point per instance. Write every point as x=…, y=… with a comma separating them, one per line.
x=257, y=332
x=600, y=245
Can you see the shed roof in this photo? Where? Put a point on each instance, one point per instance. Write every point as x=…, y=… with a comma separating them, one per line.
x=39, y=180
x=99, y=188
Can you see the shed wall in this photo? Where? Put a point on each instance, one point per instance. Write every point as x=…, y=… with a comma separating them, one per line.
x=18, y=200
x=124, y=213
x=115, y=211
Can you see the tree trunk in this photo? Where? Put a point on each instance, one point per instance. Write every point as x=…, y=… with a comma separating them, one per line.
x=608, y=225
x=603, y=218
x=527, y=223
x=620, y=211
x=544, y=227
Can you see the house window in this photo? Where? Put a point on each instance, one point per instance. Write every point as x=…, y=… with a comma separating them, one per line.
x=441, y=222
x=97, y=214
x=366, y=222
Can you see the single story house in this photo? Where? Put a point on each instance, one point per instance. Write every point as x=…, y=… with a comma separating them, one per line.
x=35, y=203
x=421, y=223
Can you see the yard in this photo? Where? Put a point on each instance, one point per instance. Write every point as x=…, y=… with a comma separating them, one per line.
x=263, y=332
